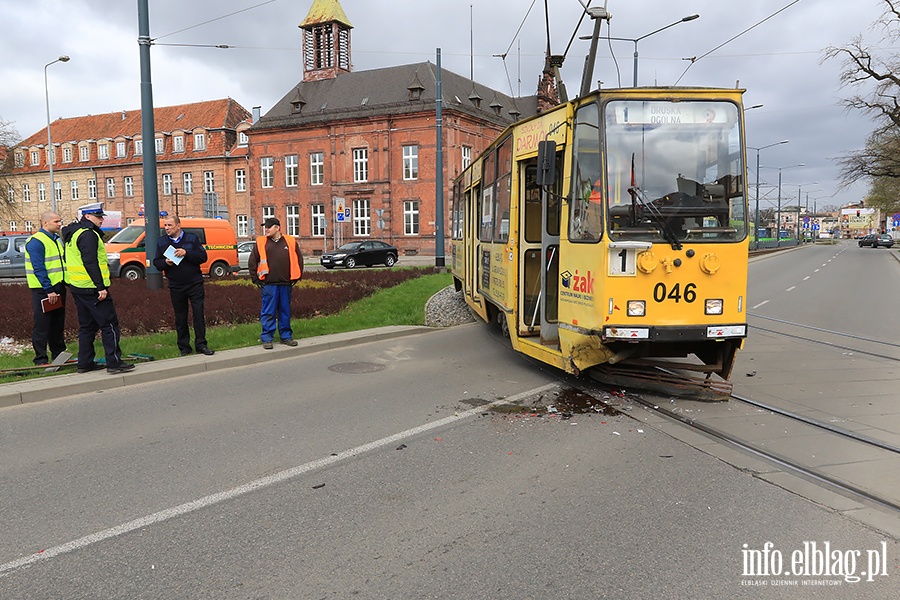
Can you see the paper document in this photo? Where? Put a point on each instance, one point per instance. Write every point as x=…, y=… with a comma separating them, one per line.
x=170, y=254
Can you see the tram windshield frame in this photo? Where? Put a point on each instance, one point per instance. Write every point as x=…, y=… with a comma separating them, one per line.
x=674, y=171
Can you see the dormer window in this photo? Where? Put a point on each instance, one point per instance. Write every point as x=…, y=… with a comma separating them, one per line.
x=475, y=99
x=243, y=139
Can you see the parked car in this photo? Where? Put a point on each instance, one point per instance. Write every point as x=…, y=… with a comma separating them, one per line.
x=876, y=240
x=12, y=255
x=244, y=249
x=370, y=252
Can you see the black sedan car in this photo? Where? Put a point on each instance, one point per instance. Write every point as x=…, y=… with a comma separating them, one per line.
x=369, y=252
x=876, y=240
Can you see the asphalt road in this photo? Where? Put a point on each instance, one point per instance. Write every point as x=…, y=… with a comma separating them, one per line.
x=380, y=471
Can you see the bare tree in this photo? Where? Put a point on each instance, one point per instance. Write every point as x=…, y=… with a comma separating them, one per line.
x=874, y=74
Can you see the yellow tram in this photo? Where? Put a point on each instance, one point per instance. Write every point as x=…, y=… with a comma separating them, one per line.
x=612, y=229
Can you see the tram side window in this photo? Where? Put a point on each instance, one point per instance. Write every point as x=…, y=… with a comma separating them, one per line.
x=486, y=200
x=504, y=179
x=586, y=208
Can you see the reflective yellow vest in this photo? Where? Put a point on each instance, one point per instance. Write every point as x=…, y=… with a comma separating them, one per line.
x=53, y=261
x=77, y=274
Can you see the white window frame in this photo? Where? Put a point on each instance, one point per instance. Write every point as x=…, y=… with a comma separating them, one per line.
x=199, y=141
x=13, y=226
x=110, y=187
x=84, y=153
x=138, y=147
x=103, y=151
x=317, y=220
x=187, y=183
x=410, y=217
x=120, y=149
x=466, y=156
x=167, y=184
x=267, y=171
x=178, y=143
x=29, y=225
x=292, y=219
x=291, y=171
x=26, y=193
x=67, y=154
x=209, y=182
x=42, y=192
x=240, y=180
x=11, y=194
x=73, y=189
x=159, y=144
x=92, y=189
x=362, y=218
x=410, y=162
x=360, y=165
x=243, y=226
x=57, y=190
x=35, y=158
x=317, y=168
x=243, y=138
x=129, y=187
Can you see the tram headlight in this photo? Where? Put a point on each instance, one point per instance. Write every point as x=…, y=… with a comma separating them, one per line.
x=637, y=308
x=714, y=306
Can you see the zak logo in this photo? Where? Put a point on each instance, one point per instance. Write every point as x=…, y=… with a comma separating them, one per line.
x=578, y=283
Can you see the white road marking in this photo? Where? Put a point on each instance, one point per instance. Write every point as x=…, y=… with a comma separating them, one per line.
x=790, y=288
x=807, y=277
x=760, y=304
x=183, y=509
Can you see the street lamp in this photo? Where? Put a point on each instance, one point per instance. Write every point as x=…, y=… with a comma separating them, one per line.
x=799, y=200
x=756, y=220
x=778, y=220
x=62, y=58
x=636, y=40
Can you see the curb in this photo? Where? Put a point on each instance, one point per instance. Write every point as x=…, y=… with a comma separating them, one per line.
x=49, y=388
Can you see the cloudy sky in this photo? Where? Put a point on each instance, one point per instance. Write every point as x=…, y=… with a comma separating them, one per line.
x=777, y=62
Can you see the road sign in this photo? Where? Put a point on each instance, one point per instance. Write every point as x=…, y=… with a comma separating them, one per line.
x=815, y=226
x=347, y=213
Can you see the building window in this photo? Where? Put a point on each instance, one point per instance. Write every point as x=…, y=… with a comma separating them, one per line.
x=167, y=184
x=103, y=151
x=51, y=155
x=362, y=222
x=466, y=156
x=110, y=187
x=129, y=187
x=29, y=225
x=160, y=145
x=92, y=189
x=317, y=168
x=410, y=162
x=67, y=154
x=42, y=192
x=130, y=220
x=267, y=213
x=267, y=171
x=138, y=147
x=243, y=226
x=293, y=219
x=179, y=143
x=360, y=165
x=318, y=220
x=243, y=139
x=20, y=160
x=240, y=180
x=35, y=158
x=120, y=149
x=411, y=217
x=57, y=190
x=187, y=183
x=209, y=182
x=199, y=141
x=13, y=226
x=10, y=194
x=26, y=193
x=290, y=171
x=84, y=153
x=73, y=187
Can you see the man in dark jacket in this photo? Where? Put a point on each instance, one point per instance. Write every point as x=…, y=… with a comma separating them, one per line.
x=275, y=265
x=179, y=255
x=88, y=275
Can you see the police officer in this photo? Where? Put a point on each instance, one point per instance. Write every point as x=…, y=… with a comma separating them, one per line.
x=88, y=274
x=45, y=274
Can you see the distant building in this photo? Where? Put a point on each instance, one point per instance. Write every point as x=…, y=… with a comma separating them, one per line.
x=201, y=153
x=366, y=142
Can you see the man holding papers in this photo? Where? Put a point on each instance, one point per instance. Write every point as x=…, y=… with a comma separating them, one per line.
x=45, y=272
x=179, y=255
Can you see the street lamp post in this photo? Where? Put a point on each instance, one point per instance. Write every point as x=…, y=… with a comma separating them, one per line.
x=756, y=219
x=778, y=223
x=799, y=200
x=636, y=40
x=62, y=58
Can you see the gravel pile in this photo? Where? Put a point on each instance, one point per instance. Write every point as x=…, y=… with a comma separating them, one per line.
x=447, y=308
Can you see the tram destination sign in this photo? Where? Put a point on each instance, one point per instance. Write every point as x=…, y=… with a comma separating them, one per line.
x=668, y=113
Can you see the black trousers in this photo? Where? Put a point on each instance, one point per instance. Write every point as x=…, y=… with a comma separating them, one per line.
x=94, y=316
x=192, y=295
x=48, y=327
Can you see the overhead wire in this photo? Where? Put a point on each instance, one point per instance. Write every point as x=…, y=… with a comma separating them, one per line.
x=237, y=12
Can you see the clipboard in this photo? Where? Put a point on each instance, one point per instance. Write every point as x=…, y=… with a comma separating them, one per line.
x=47, y=307
x=170, y=254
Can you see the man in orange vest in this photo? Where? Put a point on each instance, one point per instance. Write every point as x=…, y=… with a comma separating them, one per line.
x=275, y=265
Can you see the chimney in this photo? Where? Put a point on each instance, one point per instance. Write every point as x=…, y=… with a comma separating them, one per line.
x=256, y=111
x=123, y=115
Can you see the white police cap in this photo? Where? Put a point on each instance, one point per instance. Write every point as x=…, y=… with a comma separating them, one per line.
x=92, y=209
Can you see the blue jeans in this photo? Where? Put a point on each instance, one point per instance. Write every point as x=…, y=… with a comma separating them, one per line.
x=276, y=307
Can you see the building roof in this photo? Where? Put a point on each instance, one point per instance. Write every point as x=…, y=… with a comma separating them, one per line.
x=213, y=114
x=388, y=91
x=325, y=11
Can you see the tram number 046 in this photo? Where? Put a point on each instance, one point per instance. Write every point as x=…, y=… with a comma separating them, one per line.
x=661, y=293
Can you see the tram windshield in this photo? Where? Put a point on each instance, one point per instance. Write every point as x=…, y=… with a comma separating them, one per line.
x=674, y=171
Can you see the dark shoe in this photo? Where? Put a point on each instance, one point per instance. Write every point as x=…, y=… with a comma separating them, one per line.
x=41, y=364
x=289, y=342
x=206, y=350
x=89, y=368
x=187, y=352
x=268, y=345
x=122, y=368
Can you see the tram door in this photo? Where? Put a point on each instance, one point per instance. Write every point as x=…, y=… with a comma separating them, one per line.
x=469, y=238
x=551, y=213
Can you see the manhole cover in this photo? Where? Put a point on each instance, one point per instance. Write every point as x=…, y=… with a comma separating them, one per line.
x=356, y=367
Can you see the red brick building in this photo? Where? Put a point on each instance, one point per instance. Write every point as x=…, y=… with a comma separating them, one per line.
x=366, y=142
x=201, y=153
